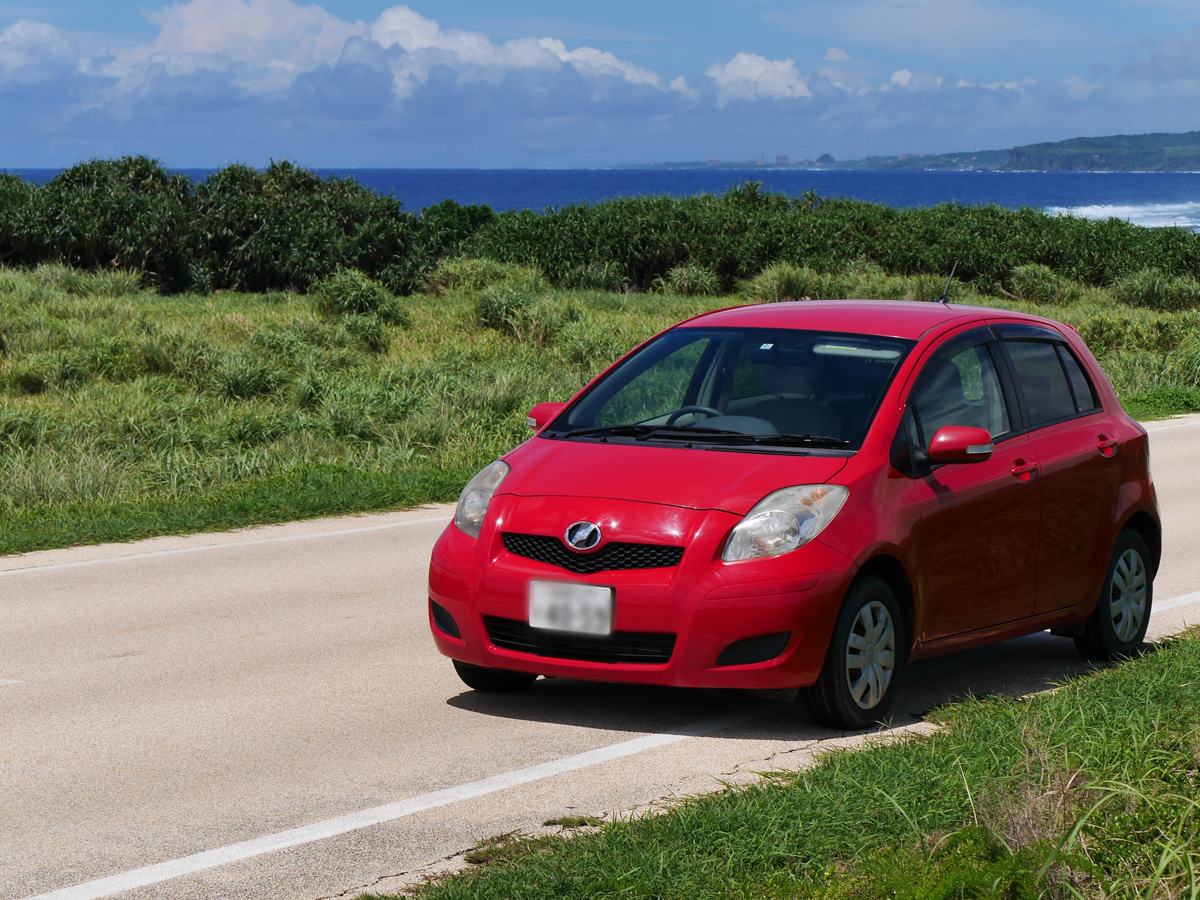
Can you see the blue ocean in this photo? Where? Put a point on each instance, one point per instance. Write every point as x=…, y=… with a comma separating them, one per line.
x=1145, y=198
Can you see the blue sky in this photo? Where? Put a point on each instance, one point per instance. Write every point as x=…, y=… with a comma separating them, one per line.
x=540, y=83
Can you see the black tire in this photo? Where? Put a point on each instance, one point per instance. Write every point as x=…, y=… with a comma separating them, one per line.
x=1118, y=624
x=841, y=699
x=492, y=681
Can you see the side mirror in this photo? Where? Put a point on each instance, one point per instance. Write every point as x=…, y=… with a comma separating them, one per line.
x=960, y=444
x=542, y=414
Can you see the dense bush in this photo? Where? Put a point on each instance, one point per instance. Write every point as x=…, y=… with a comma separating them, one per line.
x=128, y=214
x=284, y=228
x=287, y=228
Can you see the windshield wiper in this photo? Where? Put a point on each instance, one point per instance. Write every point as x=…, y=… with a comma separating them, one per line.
x=622, y=430
x=685, y=431
x=807, y=440
x=699, y=432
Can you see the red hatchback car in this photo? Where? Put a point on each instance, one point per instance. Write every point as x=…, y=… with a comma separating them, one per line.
x=807, y=495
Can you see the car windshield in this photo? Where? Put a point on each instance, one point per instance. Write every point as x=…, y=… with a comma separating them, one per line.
x=745, y=388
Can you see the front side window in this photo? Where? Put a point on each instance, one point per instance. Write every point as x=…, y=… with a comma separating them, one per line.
x=1042, y=381
x=958, y=386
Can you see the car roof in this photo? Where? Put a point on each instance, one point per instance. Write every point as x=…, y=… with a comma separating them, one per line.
x=893, y=318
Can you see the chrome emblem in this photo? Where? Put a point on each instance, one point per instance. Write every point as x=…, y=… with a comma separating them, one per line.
x=583, y=536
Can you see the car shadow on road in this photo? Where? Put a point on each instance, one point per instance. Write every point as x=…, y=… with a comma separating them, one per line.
x=1018, y=667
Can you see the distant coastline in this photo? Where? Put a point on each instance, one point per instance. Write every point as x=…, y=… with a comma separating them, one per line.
x=1161, y=152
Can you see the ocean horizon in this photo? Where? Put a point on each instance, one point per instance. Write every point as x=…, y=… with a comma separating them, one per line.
x=1152, y=199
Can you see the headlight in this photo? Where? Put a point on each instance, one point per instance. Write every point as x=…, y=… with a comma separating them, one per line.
x=785, y=520
x=475, y=497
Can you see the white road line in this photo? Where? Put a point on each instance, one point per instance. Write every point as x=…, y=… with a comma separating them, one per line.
x=221, y=546
x=104, y=887
x=1167, y=424
x=1176, y=603
x=7, y=681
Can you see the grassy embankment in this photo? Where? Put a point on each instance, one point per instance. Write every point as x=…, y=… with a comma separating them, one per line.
x=125, y=413
x=178, y=356
x=1086, y=792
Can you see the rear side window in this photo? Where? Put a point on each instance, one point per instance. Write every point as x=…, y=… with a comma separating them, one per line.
x=1043, y=381
x=1081, y=387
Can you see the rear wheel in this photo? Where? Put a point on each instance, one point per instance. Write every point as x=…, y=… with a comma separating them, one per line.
x=1118, y=624
x=492, y=681
x=858, y=681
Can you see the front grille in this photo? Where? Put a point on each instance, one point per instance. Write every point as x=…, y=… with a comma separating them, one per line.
x=647, y=647
x=608, y=558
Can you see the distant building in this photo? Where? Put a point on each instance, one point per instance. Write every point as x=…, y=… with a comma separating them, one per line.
x=713, y=162
x=783, y=160
x=761, y=161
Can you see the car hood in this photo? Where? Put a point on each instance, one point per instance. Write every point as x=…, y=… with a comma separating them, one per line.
x=657, y=473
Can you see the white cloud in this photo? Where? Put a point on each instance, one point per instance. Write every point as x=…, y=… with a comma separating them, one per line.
x=751, y=77
x=253, y=31
x=31, y=51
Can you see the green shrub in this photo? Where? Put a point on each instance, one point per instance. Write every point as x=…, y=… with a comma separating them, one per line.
x=285, y=228
x=438, y=233
x=127, y=214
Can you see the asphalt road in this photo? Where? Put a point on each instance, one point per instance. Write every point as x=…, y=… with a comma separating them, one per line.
x=263, y=714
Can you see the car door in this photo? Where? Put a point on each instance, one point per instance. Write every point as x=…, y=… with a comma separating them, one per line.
x=977, y=540
x=1074, y=441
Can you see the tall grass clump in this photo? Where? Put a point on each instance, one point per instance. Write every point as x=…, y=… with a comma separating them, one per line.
x=1155, y=289
x=1037, y=283
x=689, y=281
x=780, y=281
x=514, y=307
x=471, y=275
x=348, y=292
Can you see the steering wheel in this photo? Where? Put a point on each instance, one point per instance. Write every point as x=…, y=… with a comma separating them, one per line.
x=684, y=410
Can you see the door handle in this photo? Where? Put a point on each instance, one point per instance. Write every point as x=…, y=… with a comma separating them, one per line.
x=1024, y=471
x=1107, y=446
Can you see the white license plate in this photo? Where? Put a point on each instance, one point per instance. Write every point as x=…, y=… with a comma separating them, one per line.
x=565, y=606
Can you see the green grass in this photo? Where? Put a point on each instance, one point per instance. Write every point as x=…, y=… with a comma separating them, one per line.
x=126, y=414
x=1087, y=791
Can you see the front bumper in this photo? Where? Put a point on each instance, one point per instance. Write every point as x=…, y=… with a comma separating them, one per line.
x=707, y=605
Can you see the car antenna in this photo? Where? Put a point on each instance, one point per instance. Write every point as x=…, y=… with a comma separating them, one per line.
x=945, y=298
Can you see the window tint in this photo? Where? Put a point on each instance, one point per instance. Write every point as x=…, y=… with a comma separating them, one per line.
x=1042, y=380
x=1085, y=397
x=959, y=386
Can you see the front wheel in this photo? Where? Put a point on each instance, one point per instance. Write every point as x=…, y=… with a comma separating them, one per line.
x=492, y=681
x=858, y=681
x=1118, y=624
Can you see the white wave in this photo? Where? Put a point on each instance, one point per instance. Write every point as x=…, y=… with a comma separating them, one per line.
x=1151, y=215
